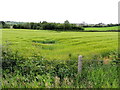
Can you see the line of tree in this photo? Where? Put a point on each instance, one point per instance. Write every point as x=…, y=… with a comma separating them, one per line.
x=101, y=25
x=66, y=26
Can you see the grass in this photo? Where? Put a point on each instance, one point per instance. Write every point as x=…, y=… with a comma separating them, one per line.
x=48, y=59
x=114, y=28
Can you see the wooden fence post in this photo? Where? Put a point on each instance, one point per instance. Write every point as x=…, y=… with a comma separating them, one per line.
x=79, y=63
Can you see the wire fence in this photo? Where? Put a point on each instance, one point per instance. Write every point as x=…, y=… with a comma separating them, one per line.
x=78, y=64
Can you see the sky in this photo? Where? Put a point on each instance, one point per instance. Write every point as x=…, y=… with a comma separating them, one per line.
x=76, y=11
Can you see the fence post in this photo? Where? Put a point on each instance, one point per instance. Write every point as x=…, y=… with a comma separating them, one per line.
x=79, y=63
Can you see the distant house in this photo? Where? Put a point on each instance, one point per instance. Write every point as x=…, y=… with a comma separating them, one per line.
x=101, y=24
x=11, y=27
x=81, y=24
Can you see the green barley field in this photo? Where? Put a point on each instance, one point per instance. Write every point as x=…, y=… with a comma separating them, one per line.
x=56, y=54
x=59, y=45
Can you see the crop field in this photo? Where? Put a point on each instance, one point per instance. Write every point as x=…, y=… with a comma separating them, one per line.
x=58, y=45
x=57, y=53
x=114, y=28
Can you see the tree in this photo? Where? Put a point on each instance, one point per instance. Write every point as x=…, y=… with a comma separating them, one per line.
x=49, y=26
x=67, y=25
x=4, y=25
x=44, y=22
x=46, y=26
x=2, y=22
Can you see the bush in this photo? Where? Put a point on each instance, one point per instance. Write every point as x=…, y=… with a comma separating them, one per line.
x=36, y=72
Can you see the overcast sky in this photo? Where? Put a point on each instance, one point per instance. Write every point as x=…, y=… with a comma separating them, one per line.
x=76, y=11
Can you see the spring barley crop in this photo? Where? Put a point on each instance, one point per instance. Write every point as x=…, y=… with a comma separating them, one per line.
x=58, y=45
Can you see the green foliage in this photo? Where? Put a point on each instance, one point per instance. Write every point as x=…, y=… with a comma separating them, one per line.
x=67, y=25
x=4, y=25
x=36, y=72
x=101, y=25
